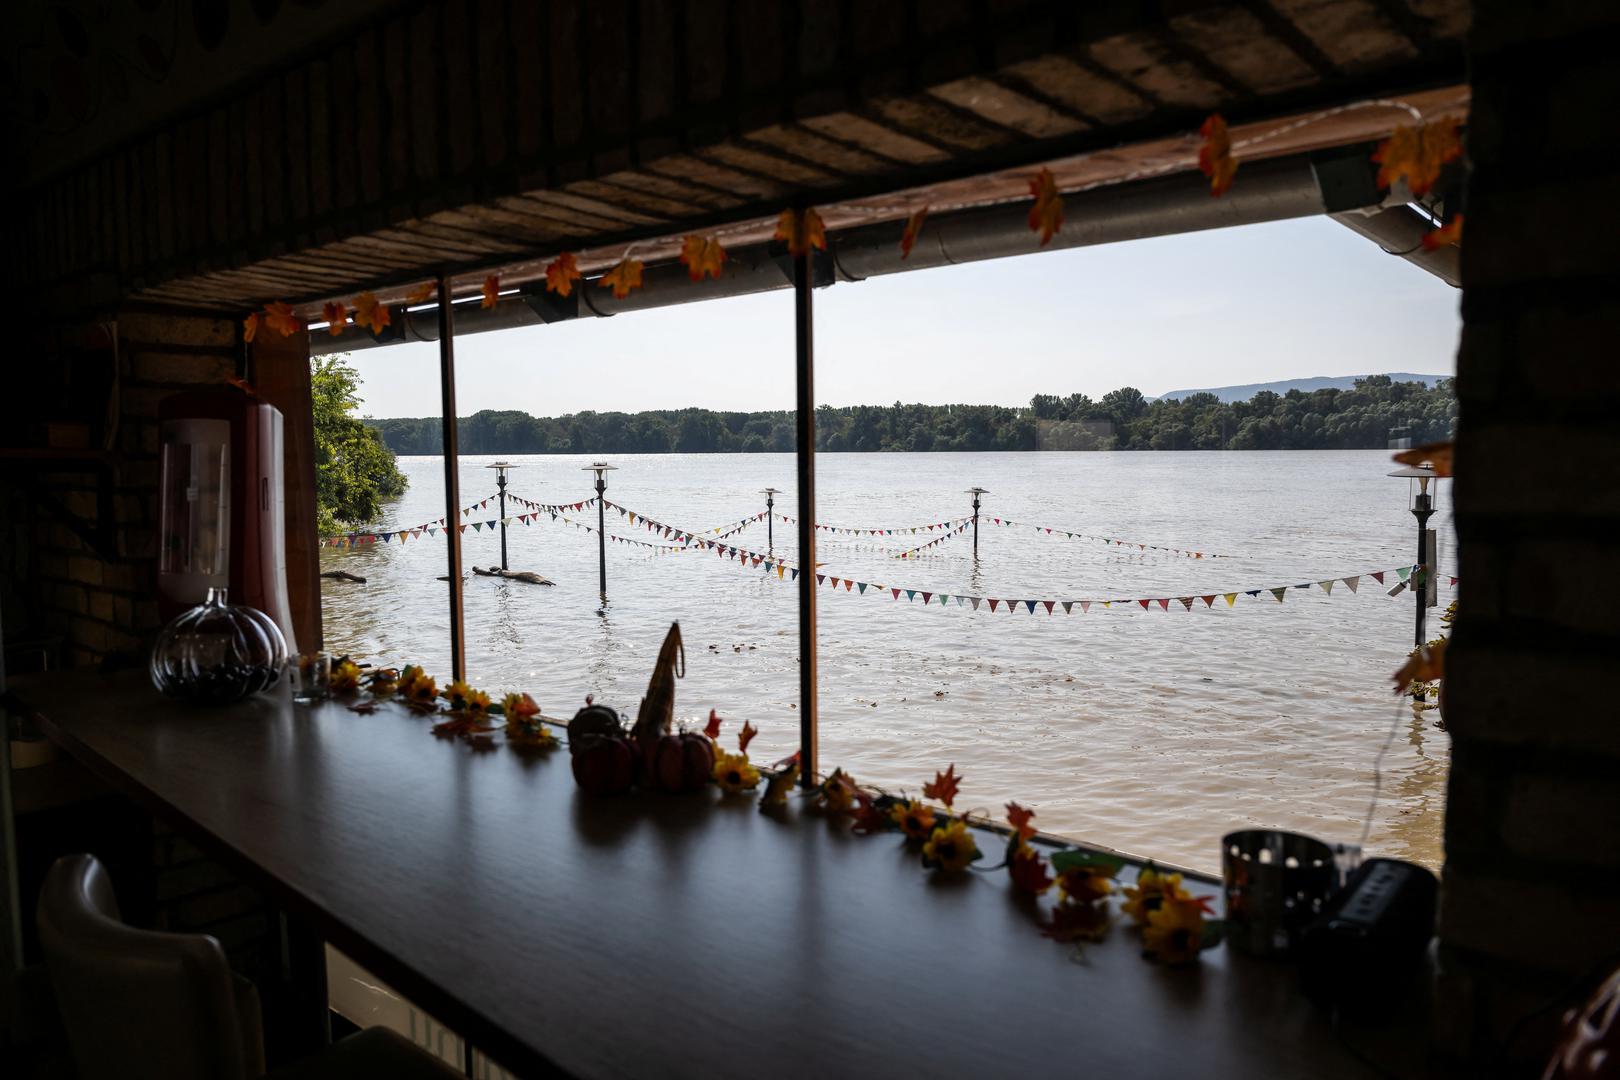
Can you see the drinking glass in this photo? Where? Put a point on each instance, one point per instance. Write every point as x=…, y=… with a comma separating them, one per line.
x=311, y=677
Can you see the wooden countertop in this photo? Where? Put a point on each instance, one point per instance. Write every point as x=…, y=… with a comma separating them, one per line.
x=659, y=936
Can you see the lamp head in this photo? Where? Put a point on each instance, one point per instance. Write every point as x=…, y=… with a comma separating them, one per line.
x=1418, y=478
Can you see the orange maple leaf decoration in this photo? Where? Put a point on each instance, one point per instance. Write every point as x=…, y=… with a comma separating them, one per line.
x=250, y=327
x=467, y=725
x=1449, y=233
x=1046, y=213
x=1215, y=158
x=914, y=224
x=1437, y=456
x=1019, y=818
x=370, y=314
x=492, y=292
x=1428, y=664
x=280, y=316
x=868, y=817
x=622, y=278
x=1418, y=154
x=561, y=273
x=712, y=728
x=337, y=317
x=422, y=293
x=703, y=255
x=1027, y=869
x=746, y=736
x=801, y=231
x=944, y=786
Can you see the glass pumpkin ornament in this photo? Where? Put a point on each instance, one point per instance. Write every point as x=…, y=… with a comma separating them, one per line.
x=217, y=653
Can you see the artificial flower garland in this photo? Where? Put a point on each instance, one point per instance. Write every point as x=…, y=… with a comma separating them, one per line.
x=1175, y=925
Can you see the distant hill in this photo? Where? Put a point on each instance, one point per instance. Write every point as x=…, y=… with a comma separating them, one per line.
x=1315, y=382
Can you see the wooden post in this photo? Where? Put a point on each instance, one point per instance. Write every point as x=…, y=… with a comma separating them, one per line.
x=452, y=482
x=803, y=281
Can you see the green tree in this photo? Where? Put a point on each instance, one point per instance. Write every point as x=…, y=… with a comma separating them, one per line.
x=355, y=471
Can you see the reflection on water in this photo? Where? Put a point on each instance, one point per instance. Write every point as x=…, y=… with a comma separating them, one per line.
x=1150, y=731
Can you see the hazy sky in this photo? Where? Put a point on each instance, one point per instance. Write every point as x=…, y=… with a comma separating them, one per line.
x=1242, y=305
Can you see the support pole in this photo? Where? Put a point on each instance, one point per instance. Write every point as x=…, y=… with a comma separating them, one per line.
x=976, y=492
x=1423, y=510
x=803, y=281
x=601, y=469
x=500, y=481
x=452, y=483
x=601, y=533
x=770, y=515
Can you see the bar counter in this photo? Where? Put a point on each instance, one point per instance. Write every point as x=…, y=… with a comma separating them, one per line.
x=659, y=935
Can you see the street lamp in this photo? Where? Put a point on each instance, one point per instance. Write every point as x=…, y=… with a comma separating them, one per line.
x=976, y=492
x=601, y=469
x=500, y=482
x=770, y=494
x=1425, y=579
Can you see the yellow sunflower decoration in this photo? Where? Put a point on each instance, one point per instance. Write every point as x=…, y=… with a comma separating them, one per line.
x=915, y=819
x=422, y=690
x=734, y=774
x=345, y=675
x=837, y=793
x=1174, y=933
x=950, y=848
x=1153, y=887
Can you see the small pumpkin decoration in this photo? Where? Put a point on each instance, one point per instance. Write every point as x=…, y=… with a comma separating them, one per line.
x=603, y=758
x=593, y=720
x=683, y=762
x=604, y=764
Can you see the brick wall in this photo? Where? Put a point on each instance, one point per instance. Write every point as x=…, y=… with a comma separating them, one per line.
x=1530, y=910
x=96, y=593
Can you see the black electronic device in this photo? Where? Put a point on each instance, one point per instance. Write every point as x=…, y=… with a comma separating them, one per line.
x=1371, y=935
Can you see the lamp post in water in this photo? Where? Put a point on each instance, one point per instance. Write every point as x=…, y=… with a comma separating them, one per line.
x=770, y=494
x=500, y=468
x=1425, y=580
x=601, y=469
x=976, y=492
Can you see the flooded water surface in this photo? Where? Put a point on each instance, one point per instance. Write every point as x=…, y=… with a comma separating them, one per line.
x=1154, y=731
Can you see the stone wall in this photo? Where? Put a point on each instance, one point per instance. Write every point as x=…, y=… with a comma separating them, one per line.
x=97, y=594
x=1530, y=911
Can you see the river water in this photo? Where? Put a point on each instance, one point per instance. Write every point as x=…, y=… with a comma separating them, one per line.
x=1153, y=731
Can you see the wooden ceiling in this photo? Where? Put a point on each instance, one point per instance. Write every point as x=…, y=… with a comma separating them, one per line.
x=489, y=142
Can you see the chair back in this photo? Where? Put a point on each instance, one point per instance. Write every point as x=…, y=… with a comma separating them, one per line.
x=138, y=1004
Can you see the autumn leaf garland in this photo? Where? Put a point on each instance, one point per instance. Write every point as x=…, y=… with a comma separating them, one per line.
x=1416, y=155
x=1215, y=158
x=702, y=255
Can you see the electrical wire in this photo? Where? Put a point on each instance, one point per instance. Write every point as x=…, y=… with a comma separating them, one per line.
x=1378, y=771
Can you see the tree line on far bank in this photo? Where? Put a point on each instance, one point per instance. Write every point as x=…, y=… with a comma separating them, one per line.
x=1368, y=416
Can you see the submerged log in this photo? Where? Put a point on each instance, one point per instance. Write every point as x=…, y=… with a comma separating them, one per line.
x=516, y=575
x=344, y=575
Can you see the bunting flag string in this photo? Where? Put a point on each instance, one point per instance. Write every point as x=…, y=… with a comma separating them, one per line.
x=720, y=532
x=753, y=559
x=576, y=507
x=1110, y=541
x=1408, y=575
x=658, y=549
x=431, y=528
x=911, y=553
x=906, y=530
